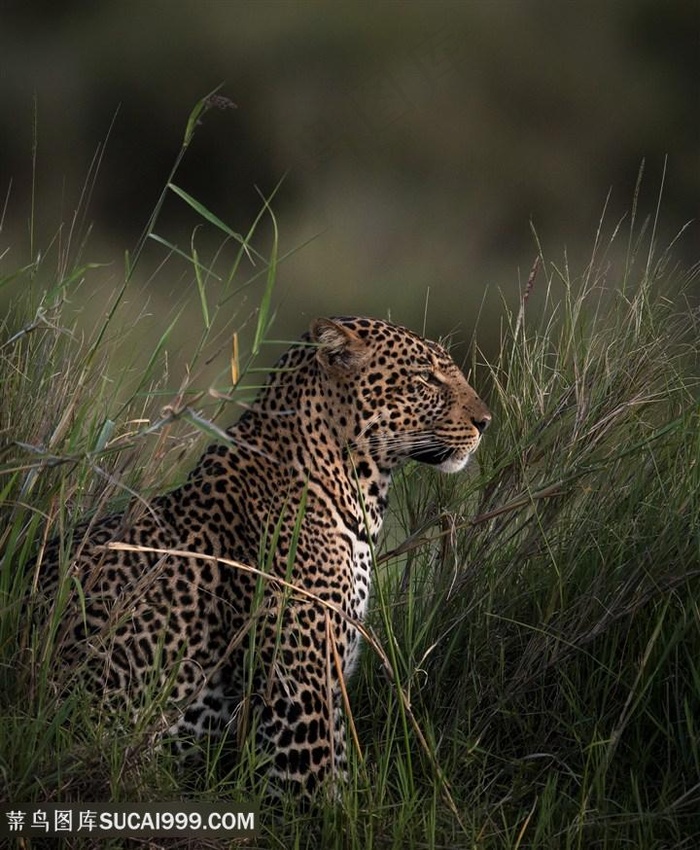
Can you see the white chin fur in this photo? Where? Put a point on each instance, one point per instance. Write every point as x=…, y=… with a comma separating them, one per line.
x=454, y=464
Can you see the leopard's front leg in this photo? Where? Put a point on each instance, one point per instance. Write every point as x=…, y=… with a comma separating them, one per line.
x=299, y=715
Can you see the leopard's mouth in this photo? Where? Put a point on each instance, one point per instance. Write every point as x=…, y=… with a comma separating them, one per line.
x=443, y=457
x=434, y=455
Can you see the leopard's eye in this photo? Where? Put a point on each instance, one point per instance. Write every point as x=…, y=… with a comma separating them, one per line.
x=427, y=376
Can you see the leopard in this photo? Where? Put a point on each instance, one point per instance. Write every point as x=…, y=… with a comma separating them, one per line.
x=242, y=592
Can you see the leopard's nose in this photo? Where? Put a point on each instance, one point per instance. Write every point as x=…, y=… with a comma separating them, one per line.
x=482, y=423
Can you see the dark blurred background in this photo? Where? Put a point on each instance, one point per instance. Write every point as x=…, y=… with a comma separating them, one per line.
x=417, y=140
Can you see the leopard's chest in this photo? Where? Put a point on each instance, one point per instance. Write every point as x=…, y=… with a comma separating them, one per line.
x=361, y=579
x=358, y=602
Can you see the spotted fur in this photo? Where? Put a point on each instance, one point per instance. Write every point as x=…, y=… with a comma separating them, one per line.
x=300, y=491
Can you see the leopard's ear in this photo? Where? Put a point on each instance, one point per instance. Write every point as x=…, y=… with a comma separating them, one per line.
x=340, y=350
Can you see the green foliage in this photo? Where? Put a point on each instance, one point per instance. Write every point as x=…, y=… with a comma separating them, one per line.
x=545, y=615
x=531, y=677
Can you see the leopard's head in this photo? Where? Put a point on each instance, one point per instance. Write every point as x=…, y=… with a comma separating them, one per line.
x=395, y=395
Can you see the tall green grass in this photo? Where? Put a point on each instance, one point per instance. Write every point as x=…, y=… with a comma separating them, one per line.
x=92, y=420
x=532, y=675
x=547, y=620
